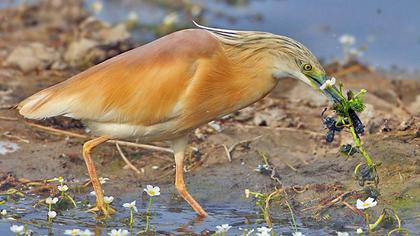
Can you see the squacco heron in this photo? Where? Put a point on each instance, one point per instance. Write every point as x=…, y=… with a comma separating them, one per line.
x=165, y=89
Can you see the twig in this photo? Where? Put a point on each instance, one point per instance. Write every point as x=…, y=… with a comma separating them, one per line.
x=8, y=118
x=267, y=214
x=233, y=146
x=9, y=135
x=82, y=136
x=356, y=211
x=290, y=166
x=334, y=201
x=131, y=166
x=229, y=157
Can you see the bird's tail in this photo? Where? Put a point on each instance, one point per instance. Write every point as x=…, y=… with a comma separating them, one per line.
x=42, y=105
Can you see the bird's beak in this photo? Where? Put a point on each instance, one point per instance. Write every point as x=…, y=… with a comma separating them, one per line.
x=327, y=86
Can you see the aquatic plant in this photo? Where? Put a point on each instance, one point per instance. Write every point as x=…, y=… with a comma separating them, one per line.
x=132, y=207
x=247, y=232
x=263, y=231
x=17, y=229
x=51, y=201
x=51, y=215
x=151, y=191
x=222, y=229
x=97, y=6
x=298, y=234
x=346, y=110
x=86, y=232
x=108, y=199
x=103, y=180
x=72, y=232
x=119, y=232
x=347, y=41
x=368, y=203
x=342, y=234
x=64, y=199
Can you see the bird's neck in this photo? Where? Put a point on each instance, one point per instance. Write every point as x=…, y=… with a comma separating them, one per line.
x=250, y=75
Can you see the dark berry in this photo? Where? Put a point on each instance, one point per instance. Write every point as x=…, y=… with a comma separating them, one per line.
x=330, y=123
x=359, y=128
x=329, y=137
x=348, y=149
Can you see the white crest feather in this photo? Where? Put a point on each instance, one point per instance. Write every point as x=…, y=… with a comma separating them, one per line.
x=225, y=32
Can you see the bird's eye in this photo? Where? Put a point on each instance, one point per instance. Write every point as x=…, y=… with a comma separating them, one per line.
x=307, y=67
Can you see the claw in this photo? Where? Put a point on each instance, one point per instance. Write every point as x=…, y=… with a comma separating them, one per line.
x=105, y=209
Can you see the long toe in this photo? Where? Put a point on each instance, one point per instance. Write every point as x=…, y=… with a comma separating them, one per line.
x=105, y=210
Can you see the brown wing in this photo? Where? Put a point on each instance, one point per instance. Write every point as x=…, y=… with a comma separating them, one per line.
x=142, y=86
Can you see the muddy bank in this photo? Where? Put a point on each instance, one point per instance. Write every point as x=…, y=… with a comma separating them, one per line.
x=285, y=126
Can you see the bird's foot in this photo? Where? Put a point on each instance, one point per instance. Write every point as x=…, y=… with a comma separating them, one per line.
x=103, y=209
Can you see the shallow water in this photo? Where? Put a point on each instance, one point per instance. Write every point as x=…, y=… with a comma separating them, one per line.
x=173, y=218
x=7, y=147
x=165, y=220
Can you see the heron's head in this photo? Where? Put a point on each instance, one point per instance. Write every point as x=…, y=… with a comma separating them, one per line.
x=280, y=55
x=292, y=59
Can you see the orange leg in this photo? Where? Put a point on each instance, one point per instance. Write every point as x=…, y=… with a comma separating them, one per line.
x=100, y=204
x=179, y=149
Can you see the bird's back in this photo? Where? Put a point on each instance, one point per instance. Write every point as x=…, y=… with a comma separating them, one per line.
x=162, y=89
x=139, y=86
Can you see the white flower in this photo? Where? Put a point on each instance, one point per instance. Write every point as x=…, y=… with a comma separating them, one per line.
x=263, y=231
x=152, y=190
x=86, y=232
x=131, y=205
x=93, y=193
x=355, y=52
x=342, y=234
x=3, y=212
x=59, y=179
x=72, y=232
x=222, y=228
x=359, y=231
x=327, y=83
x=63, y=188
x=97, y=6
x=248, y=233
x=132, y=16
x=17, y=229
x=347, y=39
x=52, y=214
x=118, y=232
x=370, y=202
x=50, y=200
x=103, y=180
x=109, y=199
x=247, y=193
x=298, y=234
x=171, y=19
